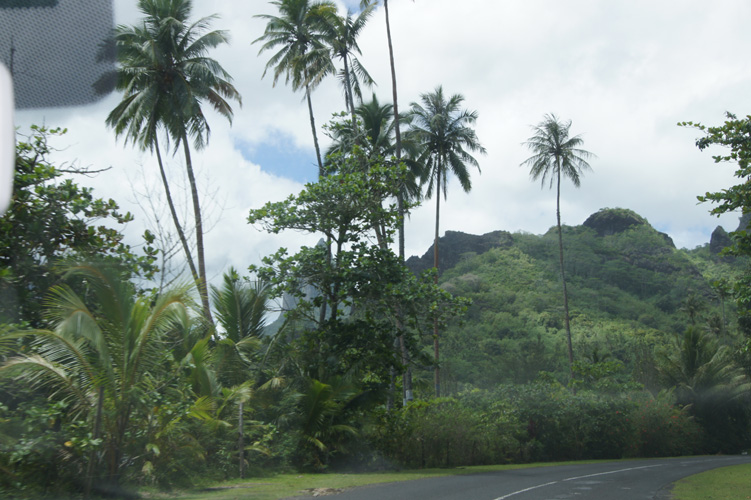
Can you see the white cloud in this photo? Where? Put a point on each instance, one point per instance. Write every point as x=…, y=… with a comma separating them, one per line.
x=623, y=71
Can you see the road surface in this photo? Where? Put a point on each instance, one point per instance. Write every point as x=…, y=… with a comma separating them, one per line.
x=622, y=480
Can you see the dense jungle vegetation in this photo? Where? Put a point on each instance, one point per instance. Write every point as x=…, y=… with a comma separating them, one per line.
x=115, y=375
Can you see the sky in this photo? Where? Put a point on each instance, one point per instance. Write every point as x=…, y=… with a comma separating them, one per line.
x=623, y=71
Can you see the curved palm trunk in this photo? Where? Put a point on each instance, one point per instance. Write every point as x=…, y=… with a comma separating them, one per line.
x=407, y=377
x=563, y=278
x=437, y=374
x=202, y=282
x=175, y=219
x=313, y=128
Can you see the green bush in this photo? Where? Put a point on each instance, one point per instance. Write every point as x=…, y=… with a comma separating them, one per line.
x=446, y=433
x=534, y=422
x=567, y=426
x=40, y=452
x=661, y=429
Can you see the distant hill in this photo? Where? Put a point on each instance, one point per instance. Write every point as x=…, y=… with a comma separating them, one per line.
x=627, y=288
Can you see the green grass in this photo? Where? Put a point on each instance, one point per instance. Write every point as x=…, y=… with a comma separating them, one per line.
x=726, y=483
x=290, y=485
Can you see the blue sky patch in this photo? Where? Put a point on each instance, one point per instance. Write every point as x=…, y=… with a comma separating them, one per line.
x=282, y=158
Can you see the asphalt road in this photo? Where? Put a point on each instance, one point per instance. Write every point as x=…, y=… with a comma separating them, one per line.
x=623, y=480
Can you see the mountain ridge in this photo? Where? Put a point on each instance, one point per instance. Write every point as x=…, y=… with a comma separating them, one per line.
x=454, y=245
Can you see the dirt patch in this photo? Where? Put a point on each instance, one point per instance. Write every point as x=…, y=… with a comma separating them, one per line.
x=322, y=492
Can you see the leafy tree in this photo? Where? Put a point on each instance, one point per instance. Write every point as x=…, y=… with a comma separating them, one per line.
x=445, y=139
x=362, y=282
x=104, y=358
x=734, y=134
x=557, y=155
x=52, y=218
x=166, y=76
x=302, y=55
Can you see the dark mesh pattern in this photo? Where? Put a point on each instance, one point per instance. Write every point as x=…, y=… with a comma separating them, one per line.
x=54, y=50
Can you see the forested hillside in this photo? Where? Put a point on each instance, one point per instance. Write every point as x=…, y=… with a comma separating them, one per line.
x=631, y=291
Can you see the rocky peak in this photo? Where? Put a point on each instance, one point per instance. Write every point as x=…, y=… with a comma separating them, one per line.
x=609, y=221
x=453, y=245
x=719, y=240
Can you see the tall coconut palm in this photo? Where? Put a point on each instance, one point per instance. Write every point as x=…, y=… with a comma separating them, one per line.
x=557, y=155
x=407, y=383
x=166, y=76
x=302, y=55
x=445, y=139
x=104, y=359
x=341, y=35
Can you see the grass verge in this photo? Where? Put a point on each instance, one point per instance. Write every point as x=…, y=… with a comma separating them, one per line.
x=726, y=483
x=291, y=485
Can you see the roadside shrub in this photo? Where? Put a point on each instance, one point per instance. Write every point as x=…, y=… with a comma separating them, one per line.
x=566, y=426
x=445, y=433
x=661, y=429
x=542, y=421
x=40, y=453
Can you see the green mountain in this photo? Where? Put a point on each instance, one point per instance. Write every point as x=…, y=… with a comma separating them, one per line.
x=630, y=290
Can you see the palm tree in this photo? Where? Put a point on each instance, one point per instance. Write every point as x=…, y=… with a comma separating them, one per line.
x=374, y=133
x=444, y=136
x=166, y=76
x=555, y=155
x=302, y=55
x=103, y=359
x=341, y=35
x=240, y=309
x=407, y=383
x=707, y=380
x=693, y=305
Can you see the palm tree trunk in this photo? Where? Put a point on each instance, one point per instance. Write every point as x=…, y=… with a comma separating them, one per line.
x=175, y=219
x=202, y=282
x=437, y=373
x=348, y=95
x=241, y=440
x=407, y=377
x=566, y=317
x=321, y=173
x=313, y=128
x=92, y=454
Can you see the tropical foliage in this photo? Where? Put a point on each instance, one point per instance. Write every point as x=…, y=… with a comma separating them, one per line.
x=107, y=386
x=51, y=217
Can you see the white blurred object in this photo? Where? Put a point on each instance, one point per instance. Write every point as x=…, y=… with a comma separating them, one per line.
x=7, y=138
